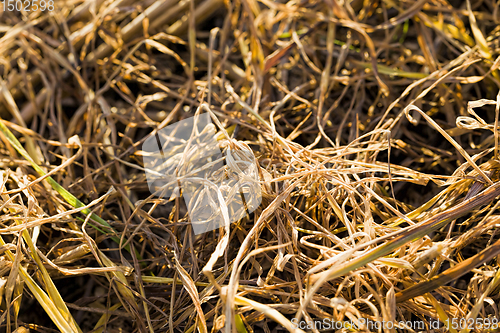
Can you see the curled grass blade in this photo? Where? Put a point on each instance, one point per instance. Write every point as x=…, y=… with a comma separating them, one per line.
x=411, y=234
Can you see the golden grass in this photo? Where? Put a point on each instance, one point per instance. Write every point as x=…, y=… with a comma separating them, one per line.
x=374, y=126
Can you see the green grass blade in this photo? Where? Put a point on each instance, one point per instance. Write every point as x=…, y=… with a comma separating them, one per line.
x=70, y=198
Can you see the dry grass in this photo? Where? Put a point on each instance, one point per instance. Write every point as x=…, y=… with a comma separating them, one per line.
x=374, y=125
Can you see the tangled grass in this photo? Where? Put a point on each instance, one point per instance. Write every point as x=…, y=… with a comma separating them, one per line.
x=374, y=125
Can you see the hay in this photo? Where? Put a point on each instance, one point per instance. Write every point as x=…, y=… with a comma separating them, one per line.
x=373, y=125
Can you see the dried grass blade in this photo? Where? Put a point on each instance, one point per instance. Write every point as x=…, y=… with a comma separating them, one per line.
x=411, y=234
x=31, y=147
x=70, y=198
x=59, y=319
x=441, y=313
x=268, y=312
x=188, y=283
x=123, y=288
x=447, y=137
x=118, y=274
x=234, y=279
x=450, y=274
x=101, y=323
x=54, y=294
x=480, y=302
x=478, y=35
